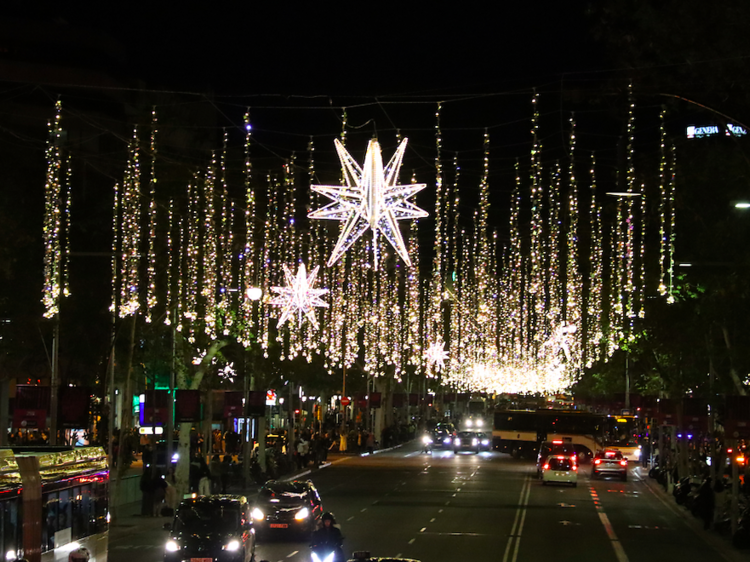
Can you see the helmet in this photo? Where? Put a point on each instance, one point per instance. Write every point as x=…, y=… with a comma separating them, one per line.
x=328, y=516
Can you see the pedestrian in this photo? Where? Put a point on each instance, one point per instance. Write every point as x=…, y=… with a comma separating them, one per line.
x=215, y=468
x=160, y=493
x=704, y=503
x=302, y=450
x=370, y=443
x=204, y=482
x=226, y=472
x=170, y=493
x=147, y=492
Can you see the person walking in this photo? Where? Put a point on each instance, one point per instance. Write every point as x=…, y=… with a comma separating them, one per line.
x=147, y=492
x=225, y=472
x=215, y=468
x=370, y=442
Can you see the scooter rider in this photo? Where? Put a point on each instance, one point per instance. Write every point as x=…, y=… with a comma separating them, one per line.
x=328, y=537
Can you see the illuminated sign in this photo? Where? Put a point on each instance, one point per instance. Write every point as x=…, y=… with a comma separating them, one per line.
x=731, y=130
x=270, y=398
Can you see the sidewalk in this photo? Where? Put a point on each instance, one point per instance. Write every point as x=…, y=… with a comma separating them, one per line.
x=722, y=543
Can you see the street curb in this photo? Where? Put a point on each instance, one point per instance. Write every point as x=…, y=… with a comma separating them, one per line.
x=719, y=543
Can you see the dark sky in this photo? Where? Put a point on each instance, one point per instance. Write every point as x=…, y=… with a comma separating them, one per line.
x=342, y=47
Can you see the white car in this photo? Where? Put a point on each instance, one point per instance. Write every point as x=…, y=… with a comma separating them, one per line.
x=560, y=469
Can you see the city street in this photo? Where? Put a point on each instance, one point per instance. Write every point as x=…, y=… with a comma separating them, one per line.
x=468, y=507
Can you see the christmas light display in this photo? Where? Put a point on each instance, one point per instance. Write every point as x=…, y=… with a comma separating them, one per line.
x=299, y=296
x=513, y=317
x=370, y=198
x=151, y=299
x=436, y=355
x=54, y=213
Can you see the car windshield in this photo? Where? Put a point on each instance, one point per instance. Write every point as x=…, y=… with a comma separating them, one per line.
x=466, y=434
x=283, y=494
x=559, y=464
x=615, y=455
x=207, y=518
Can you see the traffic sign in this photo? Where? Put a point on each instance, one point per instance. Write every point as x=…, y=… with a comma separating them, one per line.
x=345, y=401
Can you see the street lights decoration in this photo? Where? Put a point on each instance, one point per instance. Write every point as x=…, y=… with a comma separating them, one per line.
x=299, y=295
x=370, y=199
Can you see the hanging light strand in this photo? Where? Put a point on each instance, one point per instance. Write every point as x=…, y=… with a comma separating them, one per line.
x=53, y=217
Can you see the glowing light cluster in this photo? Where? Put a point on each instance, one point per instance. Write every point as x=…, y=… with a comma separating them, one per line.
x=370, y=199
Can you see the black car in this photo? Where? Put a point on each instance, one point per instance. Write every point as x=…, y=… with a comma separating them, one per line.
x=291, y=507
x=443, y=434
x=466, y=441
x=211, y=529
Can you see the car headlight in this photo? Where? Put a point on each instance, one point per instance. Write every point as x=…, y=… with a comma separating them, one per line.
x=258, y=515
x=480, y=423
x=172, y=546
x=303, y=513
x=426, y=440
x=457, y=442
x=469, y=423
x=232, y=545
x=485, y=442
x=637, y=453
x=475, y=442
x=447, y=440
x=10, y=555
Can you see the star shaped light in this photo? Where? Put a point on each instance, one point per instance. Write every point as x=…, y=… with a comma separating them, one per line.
x=436, y=354
x=371, y=199
x=299, y=296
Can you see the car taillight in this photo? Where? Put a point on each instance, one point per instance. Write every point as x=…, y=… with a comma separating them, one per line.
x=546, y=467
x=598, y=461
x=573, y=467
x=623, y=463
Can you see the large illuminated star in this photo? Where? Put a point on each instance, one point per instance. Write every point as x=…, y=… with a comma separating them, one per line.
x=371, y=199
x=436, y=354
x=299, y=296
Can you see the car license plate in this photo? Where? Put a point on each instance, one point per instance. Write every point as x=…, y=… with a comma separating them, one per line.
x=276, y=526
x=201, y=560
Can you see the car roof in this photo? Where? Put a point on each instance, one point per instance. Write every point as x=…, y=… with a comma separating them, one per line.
x=288, y=485
x=224, y=500
x=609, y=453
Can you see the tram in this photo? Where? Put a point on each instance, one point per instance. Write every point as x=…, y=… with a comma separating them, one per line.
x=53, y=501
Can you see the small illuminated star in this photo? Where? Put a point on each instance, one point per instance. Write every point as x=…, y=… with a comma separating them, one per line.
x=299, y=296
x=370, y=199
x=436, y=354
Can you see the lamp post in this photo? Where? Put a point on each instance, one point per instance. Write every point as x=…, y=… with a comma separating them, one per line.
x=254, y=294
x=620, y=195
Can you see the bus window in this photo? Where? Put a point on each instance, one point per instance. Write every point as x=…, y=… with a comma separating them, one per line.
x=9, y=539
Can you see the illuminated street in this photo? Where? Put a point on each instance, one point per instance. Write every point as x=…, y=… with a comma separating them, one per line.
x=470, y=507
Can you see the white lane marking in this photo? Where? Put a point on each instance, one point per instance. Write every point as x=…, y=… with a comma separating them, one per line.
x=448, y=502
x=363, y=510
x=293, y=553
x=432, y=520
x=412, y=541
x=423, y=529
x=352, y=517
x=440, y=510
x=520, y=516
x=616, y=544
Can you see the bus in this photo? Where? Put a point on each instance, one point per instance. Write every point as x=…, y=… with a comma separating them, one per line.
x=53, y=501
x=476, y=413
x=520, y=432
x=621, y=433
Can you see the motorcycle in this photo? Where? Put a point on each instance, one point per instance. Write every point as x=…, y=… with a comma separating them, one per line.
x=327, y=553
x=426, y=444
